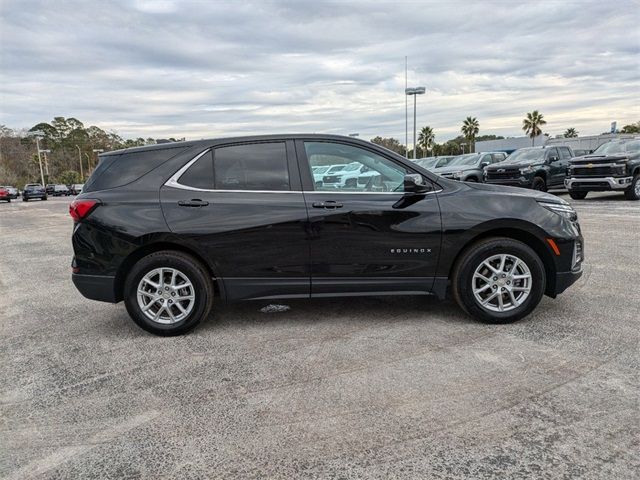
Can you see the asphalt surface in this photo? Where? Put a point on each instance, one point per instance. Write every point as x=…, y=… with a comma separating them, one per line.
x=389, y=387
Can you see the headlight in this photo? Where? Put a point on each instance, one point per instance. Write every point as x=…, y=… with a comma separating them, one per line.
x=458, y=174
x=563, y=209
x=528, y=169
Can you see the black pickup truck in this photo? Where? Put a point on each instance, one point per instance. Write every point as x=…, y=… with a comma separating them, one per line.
x=614, y=166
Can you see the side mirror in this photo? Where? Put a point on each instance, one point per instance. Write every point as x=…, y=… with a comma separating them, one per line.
x=484, y=164
x=553, y=158
x=415, y=183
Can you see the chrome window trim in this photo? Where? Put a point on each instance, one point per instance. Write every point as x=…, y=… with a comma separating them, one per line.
x=173, y=182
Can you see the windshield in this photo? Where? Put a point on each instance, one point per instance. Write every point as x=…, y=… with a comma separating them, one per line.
x=468, y=159
x=611, y=148
x=320, y=169
x=526, y=155
x=335, y=168
x=427, y=162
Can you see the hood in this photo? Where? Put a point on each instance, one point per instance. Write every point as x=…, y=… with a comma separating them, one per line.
x=507, y=164
x=517, y=191
x=455, y=168
x=603, y=158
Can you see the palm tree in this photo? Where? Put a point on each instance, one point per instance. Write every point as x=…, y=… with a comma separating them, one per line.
x=426, y=138
x=571, y=133
x=470, y=128
x=532, y=123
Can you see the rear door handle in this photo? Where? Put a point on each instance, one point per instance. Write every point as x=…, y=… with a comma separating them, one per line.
x=329, y=205
x=194, y=202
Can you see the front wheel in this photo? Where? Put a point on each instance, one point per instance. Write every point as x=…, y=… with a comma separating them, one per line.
x=498, y=280
x=578, y=195
x=633, y=192
x=539, y=184
x=168, y=293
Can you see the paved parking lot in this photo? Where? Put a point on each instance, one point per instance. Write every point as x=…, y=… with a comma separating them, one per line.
x=349, y=388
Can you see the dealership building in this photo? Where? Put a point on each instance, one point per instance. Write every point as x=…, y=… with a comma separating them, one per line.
x=588, y=143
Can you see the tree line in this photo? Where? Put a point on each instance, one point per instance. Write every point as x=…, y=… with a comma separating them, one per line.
x=67, y=148
x=426, y=146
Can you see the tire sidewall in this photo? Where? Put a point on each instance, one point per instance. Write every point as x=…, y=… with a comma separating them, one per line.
x=631, y=194
x=481, y=252
x=190, y=268
x=539, y=184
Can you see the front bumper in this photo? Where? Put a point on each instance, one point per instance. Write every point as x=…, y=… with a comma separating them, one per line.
x=95, y=287
x=598, y=183
x=564, y=280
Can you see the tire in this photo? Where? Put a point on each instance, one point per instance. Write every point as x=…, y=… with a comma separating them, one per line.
x=25, y=199
x=351, y=183
x=578, y=195
x=188, y=269
x=539, y=184
x=472, y=179
x=472, y=258
x=633, y=192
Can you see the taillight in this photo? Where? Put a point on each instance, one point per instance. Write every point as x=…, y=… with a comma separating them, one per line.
x=80, y=209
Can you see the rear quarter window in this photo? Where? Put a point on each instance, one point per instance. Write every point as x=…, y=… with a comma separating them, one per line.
x=118, y=170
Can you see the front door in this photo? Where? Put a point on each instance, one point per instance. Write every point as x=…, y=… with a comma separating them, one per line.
x=242, y=206
x=366, y=236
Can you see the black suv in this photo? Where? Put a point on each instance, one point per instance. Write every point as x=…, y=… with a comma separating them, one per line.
x=614, y=166
x=167, y=227
x=33, y=190
x=539, y=168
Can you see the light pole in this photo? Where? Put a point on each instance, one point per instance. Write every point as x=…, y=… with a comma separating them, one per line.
x=415, y=92
x=46, y=162
x=98, y=151
x=38, y=134
x=80, y=160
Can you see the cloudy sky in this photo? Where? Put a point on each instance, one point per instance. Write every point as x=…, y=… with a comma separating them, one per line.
x=210, y=68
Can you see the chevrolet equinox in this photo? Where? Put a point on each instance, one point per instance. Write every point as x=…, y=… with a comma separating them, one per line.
x=168, y=228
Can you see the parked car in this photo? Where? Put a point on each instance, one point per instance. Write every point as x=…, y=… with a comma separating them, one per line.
x=60, y=190
x=348, y=177
x=166, y=227
x=469, y=167
x=50, y=188
x=33, y=190
x=427, y=162
x=13, y=191
x=5, y=195
x=539, y=168
x=581, y=153
x=614, y=166
x=76, y=188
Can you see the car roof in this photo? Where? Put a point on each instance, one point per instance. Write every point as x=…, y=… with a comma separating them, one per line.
x=248, y=138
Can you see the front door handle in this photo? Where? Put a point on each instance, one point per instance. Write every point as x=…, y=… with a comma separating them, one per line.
x=329, y=205
x=194, y=202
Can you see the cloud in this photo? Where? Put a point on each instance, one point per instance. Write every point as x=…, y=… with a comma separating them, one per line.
x=201, y=69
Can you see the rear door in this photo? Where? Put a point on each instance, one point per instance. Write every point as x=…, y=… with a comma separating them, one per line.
x=242, y=206
x=555, y=167
x=364, y=237
x=565, y=155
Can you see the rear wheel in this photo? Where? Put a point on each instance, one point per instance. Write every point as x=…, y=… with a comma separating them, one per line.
x=633, y=192
x=578, y=195
x=539, y=184
x=168, y=293
x=25, y=199
x=498, y=280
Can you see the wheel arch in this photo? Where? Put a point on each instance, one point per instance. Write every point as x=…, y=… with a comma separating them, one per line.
x=158, y=246
x=524, y=236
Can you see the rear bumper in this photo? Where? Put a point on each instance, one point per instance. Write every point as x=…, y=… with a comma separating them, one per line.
x=95, y=287
x=598, y=183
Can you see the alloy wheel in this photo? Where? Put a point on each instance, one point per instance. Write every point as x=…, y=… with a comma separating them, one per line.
x=501, y=283
x=165, y=295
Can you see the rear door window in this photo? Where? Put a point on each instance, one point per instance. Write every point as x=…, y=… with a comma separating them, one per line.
x=200, y=174
x=565, y=153
x=257, y=166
